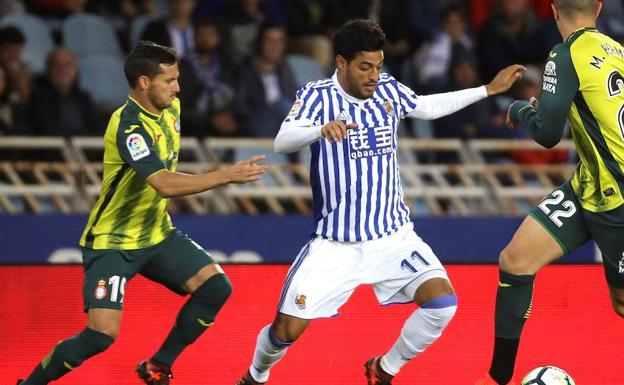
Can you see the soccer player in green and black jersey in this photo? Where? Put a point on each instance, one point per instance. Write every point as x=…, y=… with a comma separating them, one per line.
x=129, y=230
x=583, y=83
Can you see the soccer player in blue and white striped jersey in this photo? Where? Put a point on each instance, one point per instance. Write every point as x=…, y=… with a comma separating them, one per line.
x=363, y=233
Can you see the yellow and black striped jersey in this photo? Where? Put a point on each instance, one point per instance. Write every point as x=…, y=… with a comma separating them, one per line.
x=584, y=82
x=129, y=214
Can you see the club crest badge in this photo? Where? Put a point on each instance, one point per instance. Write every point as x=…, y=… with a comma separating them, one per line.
x=388, y=106
x=300, y=301
x=100, y=290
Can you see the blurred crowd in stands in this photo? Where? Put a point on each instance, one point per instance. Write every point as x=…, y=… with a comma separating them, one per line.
x=242, y=60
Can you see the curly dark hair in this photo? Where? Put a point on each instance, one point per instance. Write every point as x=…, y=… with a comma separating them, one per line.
x=356, y=36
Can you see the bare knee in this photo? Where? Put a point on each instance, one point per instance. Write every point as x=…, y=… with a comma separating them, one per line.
x=203, y=275
x=619, y=309
x=617, y=304
x=109, y=331
x=512, y=261
x=288, y=329
x=432, y=289
x=105, y=321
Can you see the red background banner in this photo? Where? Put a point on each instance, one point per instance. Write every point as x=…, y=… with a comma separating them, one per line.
x=571, y=326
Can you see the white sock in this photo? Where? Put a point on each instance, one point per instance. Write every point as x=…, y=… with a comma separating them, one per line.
x=266, y=355
x=420, y=330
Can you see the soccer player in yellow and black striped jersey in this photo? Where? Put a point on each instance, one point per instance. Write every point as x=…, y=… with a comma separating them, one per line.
x=129, y=230
x=583, y=83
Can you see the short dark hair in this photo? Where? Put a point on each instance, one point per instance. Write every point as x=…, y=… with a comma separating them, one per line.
x=145, y=59
x=11, y=36
x=356, y=36
x=445, y=13
x=571, y=7
x=265, y=27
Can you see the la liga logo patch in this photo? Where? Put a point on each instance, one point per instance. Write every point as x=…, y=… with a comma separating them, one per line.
x=295, y=108
x=137, y=146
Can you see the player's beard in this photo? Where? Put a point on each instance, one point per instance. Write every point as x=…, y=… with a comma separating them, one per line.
x=357, y=89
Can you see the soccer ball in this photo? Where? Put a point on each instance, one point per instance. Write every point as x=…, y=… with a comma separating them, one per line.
x=547, y=375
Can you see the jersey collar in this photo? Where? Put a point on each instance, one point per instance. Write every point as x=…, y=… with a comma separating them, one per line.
x=343, y=93
x=133, y=102
x=580, y=31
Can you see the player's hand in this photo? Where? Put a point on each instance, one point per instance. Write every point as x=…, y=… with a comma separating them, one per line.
x=533, y=101
x=336, y=130
x=512, y=124
x=246, y=170
x=504, y=79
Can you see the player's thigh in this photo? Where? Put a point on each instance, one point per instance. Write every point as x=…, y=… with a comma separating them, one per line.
x=106, y=274
x=397, y=265
x=607, y=229
x=321, y=279
x=553, y=228
x=176, y=261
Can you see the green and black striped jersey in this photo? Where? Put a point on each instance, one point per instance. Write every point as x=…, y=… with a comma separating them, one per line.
x=129, y=214
x=584, y=83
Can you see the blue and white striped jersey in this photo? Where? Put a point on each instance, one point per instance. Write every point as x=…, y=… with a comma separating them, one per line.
x=356, y=186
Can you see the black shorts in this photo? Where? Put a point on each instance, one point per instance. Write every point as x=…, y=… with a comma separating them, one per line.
x=171, y=262
x=561, y=214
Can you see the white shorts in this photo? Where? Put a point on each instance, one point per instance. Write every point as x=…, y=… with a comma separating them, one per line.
x=325, y=273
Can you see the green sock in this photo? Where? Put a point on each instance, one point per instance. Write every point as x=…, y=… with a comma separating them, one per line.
x=67, y=355
x=513, y=306
x=197, y=314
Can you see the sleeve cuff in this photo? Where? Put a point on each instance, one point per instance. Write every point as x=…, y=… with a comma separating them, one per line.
x=483, y=91
x=319, y=131
x=149, y=173
x=516, y=108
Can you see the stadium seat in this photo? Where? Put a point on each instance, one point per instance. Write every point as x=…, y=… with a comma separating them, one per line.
x=470, y=185
x=103, y=77
x=87, y=34
x=304, y=68
x=38, y=39
x=136, y=29
x=272, y=157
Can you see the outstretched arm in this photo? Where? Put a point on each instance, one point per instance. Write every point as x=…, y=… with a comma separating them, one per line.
x=173, y=184
x=438, y=105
